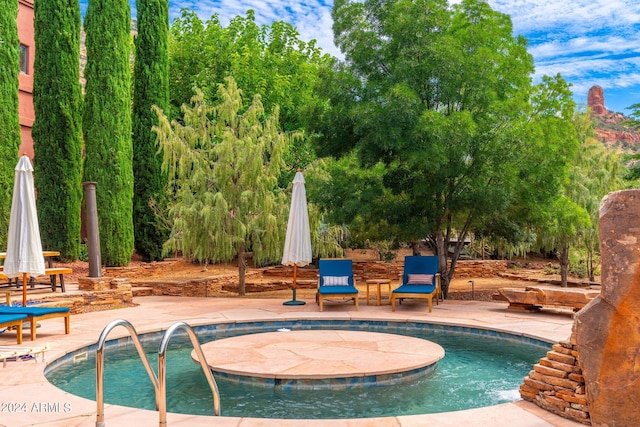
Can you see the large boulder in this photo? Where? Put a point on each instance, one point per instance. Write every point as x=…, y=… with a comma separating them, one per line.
x=607, y=331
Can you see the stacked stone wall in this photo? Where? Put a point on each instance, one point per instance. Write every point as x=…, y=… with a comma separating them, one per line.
x=191, y=288
x=480, y=268
x=557, y=385
x=97, y=294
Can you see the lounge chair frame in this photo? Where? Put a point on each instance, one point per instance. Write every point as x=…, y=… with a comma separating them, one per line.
x=18, y=353
x=13, y=321
x=36, y=314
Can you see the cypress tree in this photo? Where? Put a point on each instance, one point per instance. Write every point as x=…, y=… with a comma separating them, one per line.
x=9, y=117
x=151, y=87
x=107, y=125
x=57, y=131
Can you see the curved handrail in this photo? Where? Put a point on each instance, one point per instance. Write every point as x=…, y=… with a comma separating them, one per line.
x=100, y=365
x=161, y=397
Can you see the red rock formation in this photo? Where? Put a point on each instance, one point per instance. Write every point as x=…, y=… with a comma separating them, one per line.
x=607, y=331
x=610, y=126
x=595, y=101
x=612, y=137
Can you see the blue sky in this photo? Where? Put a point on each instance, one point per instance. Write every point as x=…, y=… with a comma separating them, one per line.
x=589, y=42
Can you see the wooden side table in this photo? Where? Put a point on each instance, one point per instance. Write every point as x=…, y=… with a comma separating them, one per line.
x=378, y=283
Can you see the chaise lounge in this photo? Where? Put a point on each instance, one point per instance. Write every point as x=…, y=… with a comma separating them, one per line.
x=35, y=314
x=336, y=281
x=420, y=279
x=11, y=321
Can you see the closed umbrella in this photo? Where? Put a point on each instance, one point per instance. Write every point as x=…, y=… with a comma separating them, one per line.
x=24, y=248
x=297, y=244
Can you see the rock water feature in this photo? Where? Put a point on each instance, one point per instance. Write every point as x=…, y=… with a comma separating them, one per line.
x=607, y=331
x=602, y=387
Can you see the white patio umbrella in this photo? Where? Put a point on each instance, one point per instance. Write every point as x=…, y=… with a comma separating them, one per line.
x=24, y=248
x=297, y=244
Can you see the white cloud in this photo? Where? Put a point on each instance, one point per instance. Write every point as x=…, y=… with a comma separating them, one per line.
x=573, y=15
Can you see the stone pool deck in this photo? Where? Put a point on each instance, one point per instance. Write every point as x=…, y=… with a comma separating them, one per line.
x=27, y=399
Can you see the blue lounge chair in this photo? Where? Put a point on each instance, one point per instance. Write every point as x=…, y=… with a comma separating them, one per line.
x=34, y=314
x=336, y=281
x=13, y=320
x=420, y=279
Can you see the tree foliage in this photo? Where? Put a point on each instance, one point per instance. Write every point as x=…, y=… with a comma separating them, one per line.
x=442, y=96
x=268, y=60
x=353, y=196
x=150, y=87
x=57, y=130
x=596, y=171
x=107, y=125
x=9, y=117
x=633, y=160
x=223, y=163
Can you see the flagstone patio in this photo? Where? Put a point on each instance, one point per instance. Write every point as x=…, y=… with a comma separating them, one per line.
x=26, y=398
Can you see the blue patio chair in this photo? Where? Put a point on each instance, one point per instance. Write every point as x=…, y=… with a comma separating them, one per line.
x=420, y=279
x=336, y=281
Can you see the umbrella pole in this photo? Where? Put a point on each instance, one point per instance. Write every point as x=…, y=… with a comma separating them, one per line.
x=24, y=289
x=294, y=301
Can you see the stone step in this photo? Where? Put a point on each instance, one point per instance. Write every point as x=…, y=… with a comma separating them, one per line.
x=142, y=291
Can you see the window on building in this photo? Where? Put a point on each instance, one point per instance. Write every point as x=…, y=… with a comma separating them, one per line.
x=24, y=59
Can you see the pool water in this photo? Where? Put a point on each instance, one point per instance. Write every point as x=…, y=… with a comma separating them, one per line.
x=476, y=371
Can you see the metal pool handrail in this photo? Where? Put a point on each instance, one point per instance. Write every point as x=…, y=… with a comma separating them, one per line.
x=159, y=384
x=100, y=365
x=161, y=397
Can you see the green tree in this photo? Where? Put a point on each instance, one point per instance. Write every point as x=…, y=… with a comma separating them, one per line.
x=107, y=125
x=567, y=220
x=57, y=130
x=596, y=171
x=9, y=117
x=223, y=165
x=268, y=60
x=442, y=96
x=633, y=160
x=354, y=197
x=151, y=87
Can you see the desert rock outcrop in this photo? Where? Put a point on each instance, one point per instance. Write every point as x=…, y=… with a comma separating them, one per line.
x=595, y=101
x=607, y=331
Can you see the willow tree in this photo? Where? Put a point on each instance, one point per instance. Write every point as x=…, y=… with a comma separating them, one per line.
x=107, y=125
x=57, y=130
x=596, y=171
x=9, y=117
x=150, y=87
x=223, y=165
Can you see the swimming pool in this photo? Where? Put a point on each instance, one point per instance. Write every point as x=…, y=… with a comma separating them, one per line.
x=481, y=368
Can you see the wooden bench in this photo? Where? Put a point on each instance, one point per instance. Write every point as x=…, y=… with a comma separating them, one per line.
x=53, y=273
x=60, y=272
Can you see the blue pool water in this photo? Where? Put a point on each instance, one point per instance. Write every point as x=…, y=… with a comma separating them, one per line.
x=480, y=368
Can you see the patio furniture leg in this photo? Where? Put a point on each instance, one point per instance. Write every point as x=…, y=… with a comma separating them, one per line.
x=34, y=324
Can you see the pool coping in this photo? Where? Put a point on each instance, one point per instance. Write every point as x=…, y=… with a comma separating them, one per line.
x=36, y=402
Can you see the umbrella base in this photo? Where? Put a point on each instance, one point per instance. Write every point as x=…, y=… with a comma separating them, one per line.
x=294, y=301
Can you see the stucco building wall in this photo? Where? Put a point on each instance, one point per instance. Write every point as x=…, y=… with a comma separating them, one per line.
x=25, y=95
